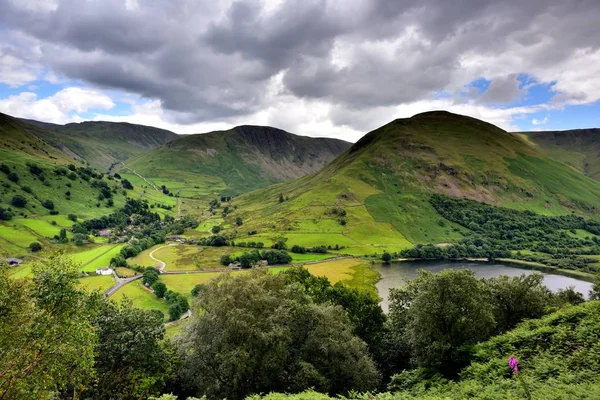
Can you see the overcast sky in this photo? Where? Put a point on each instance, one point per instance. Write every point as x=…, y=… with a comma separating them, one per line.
x=314, y=67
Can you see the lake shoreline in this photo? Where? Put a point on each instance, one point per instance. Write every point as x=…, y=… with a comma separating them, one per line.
x=531, y=265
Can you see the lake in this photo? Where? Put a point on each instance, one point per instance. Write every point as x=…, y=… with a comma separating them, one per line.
x=397, y=274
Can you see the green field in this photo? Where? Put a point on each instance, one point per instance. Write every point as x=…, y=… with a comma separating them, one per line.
x=38, y=226
x=101, y=283
x=96, y=256
x=184, y=283
x=141, y=297
x=17, y=235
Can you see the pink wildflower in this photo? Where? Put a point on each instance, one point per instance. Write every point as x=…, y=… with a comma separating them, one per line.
x=514, y=364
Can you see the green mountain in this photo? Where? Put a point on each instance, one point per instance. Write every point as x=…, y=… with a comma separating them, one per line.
x=102, y=144
x=40, y=185
x=579, y=148
x=375, y=196
x=233, y=161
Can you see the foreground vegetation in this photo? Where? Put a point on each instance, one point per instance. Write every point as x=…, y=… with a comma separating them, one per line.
x=259, y=332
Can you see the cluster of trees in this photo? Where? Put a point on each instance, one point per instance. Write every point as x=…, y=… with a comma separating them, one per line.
x=251, y=244
x=302, y=250
x=178, y=304
x=436, y=318
x=5, y=215
x=247, y=260
x=66, y=343
x=214, y=240
x=496, y=232
x=258, y=333
x=10, y=175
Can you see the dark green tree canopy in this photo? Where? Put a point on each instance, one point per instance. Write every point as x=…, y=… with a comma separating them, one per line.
x=253, y=333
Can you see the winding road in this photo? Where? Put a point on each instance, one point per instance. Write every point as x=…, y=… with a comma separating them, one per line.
x=120, y=284
x=161, y=262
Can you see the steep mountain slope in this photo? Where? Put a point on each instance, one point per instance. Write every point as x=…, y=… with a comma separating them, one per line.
x=40, y=186
x=234, y=161
x=20, y=138
x=579, y=148
x=102, y=144
x=376, y=194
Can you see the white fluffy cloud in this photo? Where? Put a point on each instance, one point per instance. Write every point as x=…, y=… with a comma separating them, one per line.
x=58, y=108
x=536, y=121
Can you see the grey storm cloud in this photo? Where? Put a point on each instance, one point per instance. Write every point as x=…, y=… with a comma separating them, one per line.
x=503, y=90
x=207, y=60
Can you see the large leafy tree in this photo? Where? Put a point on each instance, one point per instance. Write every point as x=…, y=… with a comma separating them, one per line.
x=46, y=338
x=363, y=309
x=517, y=298
x=438, y=315
x=253, y=334
x=132, y=360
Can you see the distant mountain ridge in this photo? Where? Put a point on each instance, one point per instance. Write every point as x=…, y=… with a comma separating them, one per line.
x=579, y=148
x=101, y=143
x=239, y=159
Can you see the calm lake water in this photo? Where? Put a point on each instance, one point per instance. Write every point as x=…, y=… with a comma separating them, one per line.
x=397, y=274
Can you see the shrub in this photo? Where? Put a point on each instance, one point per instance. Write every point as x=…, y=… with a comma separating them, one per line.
x=35, y=169
x=13, y=177
x=5, y=215
x=72, y=217
x=298, y=249
x=18, y=201
x=126, y=184
x=279, y=245
x=159, y=289
x=225, y=259
x=35, y=247
x=48, y=204
x=216, y=229
x=386, y=257
x=27, y=189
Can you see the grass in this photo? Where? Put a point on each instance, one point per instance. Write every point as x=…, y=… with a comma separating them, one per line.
x=352, y=272
x=173, y=330
x=38, y=226
x=123, y=272
x=184, y=283
x=21, y=271
x=179, y=257
x=17, y=235
x=307, y=257
x=141, y=297
x=100, y=282
x=96, y=257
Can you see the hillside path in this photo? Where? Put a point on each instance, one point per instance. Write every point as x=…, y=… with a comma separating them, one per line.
x=140, y=176
x=162, y=263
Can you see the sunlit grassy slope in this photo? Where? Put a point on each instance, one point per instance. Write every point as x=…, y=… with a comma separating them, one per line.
x=384, y=181
x=21, y=146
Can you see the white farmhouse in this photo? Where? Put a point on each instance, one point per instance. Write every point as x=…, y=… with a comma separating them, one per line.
x=104, y=271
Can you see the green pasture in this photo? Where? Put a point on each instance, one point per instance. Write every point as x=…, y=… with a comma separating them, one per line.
x=99, y=282
x=96, y=256
x=141, y=297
